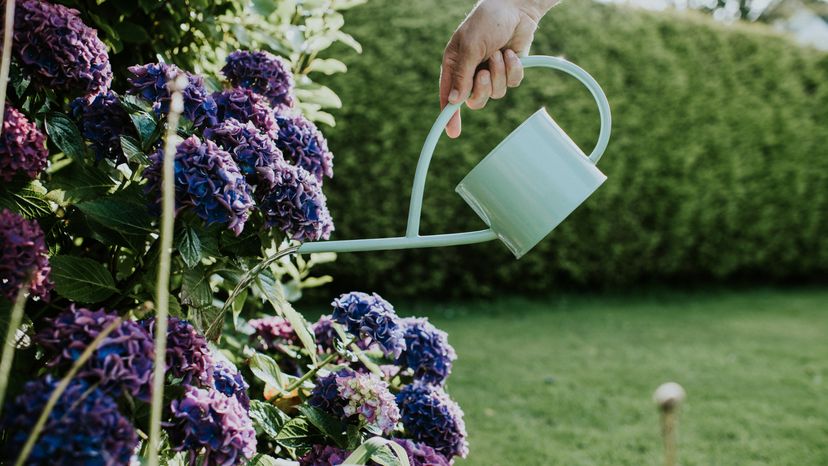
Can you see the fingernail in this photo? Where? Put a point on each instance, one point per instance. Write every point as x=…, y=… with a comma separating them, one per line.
x=454, y=95
x=485, y=79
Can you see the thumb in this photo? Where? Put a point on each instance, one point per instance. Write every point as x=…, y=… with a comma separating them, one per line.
x=522, y=38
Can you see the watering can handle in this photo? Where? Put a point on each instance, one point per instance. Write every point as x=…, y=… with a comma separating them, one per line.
x=534, y=61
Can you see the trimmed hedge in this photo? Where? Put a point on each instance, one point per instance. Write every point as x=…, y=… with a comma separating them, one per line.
x=718, y=164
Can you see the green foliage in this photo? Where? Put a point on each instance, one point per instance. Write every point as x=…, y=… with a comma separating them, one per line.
x=717, y=164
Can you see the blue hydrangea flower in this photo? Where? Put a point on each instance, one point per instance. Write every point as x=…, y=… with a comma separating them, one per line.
x=245, y=105
x=302, y=143
x=22, y=252
x=420, y=454
x=84, y=428
x=58, y=50
x=370, y=316
x=254, y=152
x=325, y=455
x=103, y=120
x=150, y=83
x=427, y=351
x=229, y=381
x=353, y=396
x=431, y=417
x=207, y=180
x=296, y=205
x=22, y=146
x=212, y=426
x=188, y=355
x=263, y=73
x=324, y=334
x=123, y=361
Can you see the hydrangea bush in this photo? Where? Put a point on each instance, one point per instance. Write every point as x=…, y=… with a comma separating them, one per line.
x=247, y=380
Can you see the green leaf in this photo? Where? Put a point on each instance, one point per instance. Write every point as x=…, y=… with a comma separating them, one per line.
x=275, y=296
x=267, y=370
x=134, y=104
x=327, y=424
x=146, y=125
x=320, y=95
x=380, y=450
x=348, y=40
x=18, y=80
x=298, y=433
x=189, y=246
x=195, y=287
x=119, y=214
x=81, y=279
x=267, y=418
x=132, y=33
x=264, y=460
x=201, y=317
x=132, y=150
x=65, y=134
x=327, y=66
x=81, y=182
x=264, y=7
x=346, y=4
x=238, y=306
x=26, y=198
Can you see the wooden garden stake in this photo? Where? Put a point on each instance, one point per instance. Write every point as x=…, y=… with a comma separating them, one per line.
x=668, y=398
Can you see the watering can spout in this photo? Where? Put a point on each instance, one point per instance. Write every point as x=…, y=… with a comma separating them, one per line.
x=522, y=190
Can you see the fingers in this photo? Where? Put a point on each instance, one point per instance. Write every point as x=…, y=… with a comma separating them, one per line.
x=454, y=125
x=514, y=69
x=460, y=60
x=497, y=70
x=482, y=90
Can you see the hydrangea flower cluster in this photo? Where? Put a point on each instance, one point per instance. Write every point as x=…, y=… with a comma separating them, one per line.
x=58, y=50
x=296, y=205
x=150, y=83
x=431, y=417
x=102, y=121
x=212, y=424
x=427, y=351
x=365, y=315
x=245, y=105
x=123, y=361
x=271, y=331
x=254, y=152
x=229, y=381
x=84, y=427
x=351, y=395
x=301, y=143
x=324, y=334
x=325, y=455
x=22, y=252
x=188, y=356
x=263, y=73
x=22, y=146
x=420, y=454
x=206, y=179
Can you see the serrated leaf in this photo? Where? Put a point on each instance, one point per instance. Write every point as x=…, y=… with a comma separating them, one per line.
x=267, y=370
x=298, y=433
x=80, y=183
x=132, y=150
x=195, y=288
x=201, y=317
x=27, y=199
x=267, y=418
x=146, y=126
x=65, y=134
x=119, y=214
x=189, y=246
x=275, y=296
x=81, y=279
x=327, y=424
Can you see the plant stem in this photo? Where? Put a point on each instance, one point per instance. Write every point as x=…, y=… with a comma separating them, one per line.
x=5, y=61
x=668, y=431
x=321, y=364
x=61, y=387
x=10, y=343
x=162, y=286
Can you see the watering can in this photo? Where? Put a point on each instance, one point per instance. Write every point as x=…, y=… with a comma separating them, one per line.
x=522, y=190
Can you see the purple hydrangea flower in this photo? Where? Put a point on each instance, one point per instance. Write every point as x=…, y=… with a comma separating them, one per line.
x=122, y=361
x=22, y=146
x=427, y=351
x=431, y=417
x=22, y=252
x=296, y=205
x=245, y=105
x=84, y=427
x=365, y=315
x=207, y=180
x=420, y=454
x=103, y=120
x=325, y=455
x=229, y=381
x=272, y=331
x=253, y=151
x=262, y=73
x=188, y=356
x=302, y=143
x=354, y=396
x=150, y=83
x=324, y=334
x=58, y=50
x=212, y=426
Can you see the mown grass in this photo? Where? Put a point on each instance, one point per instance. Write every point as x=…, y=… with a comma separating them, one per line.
x=568, y=380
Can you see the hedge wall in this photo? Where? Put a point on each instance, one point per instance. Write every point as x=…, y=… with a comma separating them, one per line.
x=718, y=164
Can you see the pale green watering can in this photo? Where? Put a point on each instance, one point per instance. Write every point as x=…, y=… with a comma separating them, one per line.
x=522, y=190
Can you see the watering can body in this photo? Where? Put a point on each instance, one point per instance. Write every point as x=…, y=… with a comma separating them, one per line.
x=522, y=190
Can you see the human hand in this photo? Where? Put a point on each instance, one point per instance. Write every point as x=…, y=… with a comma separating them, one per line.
x=481, y=59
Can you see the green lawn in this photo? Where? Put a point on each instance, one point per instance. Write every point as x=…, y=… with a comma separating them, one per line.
x=568, y=381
